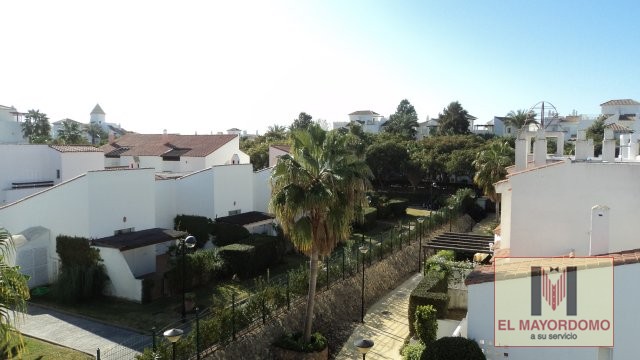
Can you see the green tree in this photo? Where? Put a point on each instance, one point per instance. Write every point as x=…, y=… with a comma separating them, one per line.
x=302, y=122
x=36, y=127
x=316, y=191
x=97, y=134
x=519, y=118
x=387, y=159
x=14, y=292
x=404, y=122
x=454, y=119
x=490, y=165
x=276, y=132
x=71, y=133
x=596, y=132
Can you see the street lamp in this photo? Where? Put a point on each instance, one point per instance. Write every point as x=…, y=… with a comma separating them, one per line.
x=173, y=335
x=188, y=242
x=450, y=216
x=363, y=345
x=420, y=221
x=363, y=249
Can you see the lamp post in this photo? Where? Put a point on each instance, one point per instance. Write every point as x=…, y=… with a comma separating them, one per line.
x=188, y=242
x=450, y=216
x=420, y=221
x=363, y=345
x=173, y=335
x=363, y=249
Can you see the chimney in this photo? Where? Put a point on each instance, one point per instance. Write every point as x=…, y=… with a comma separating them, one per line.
x=540, y=149
x=608, y=145
x=165, y=136
x=584, y=146
x=599, y=234
x=522, y=149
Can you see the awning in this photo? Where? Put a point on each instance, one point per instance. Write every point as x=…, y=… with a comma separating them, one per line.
x=463, y=242
x=138, y=239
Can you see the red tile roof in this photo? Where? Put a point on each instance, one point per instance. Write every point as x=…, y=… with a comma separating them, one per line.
x=285, y=148
x=75, y=148
x=364, y=112
x=158, y=144
x=485, y=273
x=620, y=102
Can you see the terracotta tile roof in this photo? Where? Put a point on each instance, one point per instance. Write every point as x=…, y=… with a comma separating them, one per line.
x=75, y=148
x=620, y=102
x=364, y=112
x=158, y=144
x=485, y=273
x=619, y=128
x=247, y=218
x=285, y=148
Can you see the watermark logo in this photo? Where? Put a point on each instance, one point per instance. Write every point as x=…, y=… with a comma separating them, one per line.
x=554, y=302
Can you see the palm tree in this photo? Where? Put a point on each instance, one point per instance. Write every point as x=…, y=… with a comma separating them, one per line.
x=71, y=132
x=316, y=191
x=491, y=164
x=14, y=292
x=520, y=118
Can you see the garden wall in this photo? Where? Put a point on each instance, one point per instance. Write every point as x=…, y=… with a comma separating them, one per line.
x=335, y=309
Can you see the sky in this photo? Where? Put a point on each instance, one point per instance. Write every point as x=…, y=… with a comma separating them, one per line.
x=208, y=66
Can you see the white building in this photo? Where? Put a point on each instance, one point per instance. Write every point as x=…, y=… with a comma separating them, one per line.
x=555, y=206
x=28, y=168
x=370, y=121
x=174, y=153
x=275, y=151
x=11, y=126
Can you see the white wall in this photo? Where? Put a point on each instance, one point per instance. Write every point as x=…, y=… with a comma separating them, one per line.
x=262, y=189
x=116, y=195
x=165, y=211
x=142, y=260
x=550, y=207
x=194, y=194
x=73, y=164
x=233, y=189
x=122, y=283
x=620, y=109
x=224, y=153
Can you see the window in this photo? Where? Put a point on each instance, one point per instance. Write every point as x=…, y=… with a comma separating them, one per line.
x=234, y=212
x=123, y=231
x=58, y=174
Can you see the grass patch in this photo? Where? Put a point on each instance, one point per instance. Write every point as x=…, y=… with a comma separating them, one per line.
x=418, y=212
x=38, y=349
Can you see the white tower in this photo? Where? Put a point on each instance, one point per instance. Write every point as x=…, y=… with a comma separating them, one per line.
x=97, y=116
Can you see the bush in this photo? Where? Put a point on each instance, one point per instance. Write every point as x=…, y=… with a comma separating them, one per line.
x=430, y=291
x=203, y=266
x=295, y=342
x=426, y=324
x=82, y=275
x=458, y=348
x=370, y=217
x=412, y=351
x=253, y=255
x=449, y=255
x=198, y=226
x=398, y=207
x=227, y=234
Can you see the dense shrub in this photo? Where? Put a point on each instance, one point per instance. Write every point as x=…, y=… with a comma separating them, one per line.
x=82, y=275
x=430, y=291
x=253, y=255
x=426, y=324
x=227, y=234
x=198, y=226
x=449, y=255
x=202, y=267
x=295, y=342
x=370, y=216
x=448, y=348
x=398, y=207
x=412, y=351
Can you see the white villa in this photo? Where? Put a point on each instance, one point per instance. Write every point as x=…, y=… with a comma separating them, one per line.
x=97, y=116
x=127, y=208
x=555, y=206
x=370, y=121
x=10, y=126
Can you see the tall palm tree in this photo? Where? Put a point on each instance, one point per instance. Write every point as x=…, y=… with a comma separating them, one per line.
x=14, y=292
x=520, y=118
x=316, y=191
x=71, y=132
x=491, y=164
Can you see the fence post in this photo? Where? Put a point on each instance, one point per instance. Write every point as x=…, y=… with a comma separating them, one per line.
x=264, y=308
x=357, y=261
x=98, y=354
x=327, y=261
x=343, y=263
x=197, y=333
x=233, y=316
x=288, y=293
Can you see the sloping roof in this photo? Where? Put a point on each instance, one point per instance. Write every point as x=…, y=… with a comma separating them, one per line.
x=63, y=120
x=619, y=128
x=485, y=273
x=97, y=110
x=234, y=129
x=364, y=112
x=158, y=144
x=285, y=148
x=138, y=239
x=247, y=218
x=2, y=107
x=620, y=102
x=75, y=148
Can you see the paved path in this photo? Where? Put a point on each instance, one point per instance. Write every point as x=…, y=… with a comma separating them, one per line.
x=386, y=323
x=80, y=333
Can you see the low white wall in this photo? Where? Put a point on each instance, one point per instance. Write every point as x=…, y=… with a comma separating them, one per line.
x=142, y=260
x=122, y=283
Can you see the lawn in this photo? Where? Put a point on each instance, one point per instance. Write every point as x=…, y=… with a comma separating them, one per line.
x=37, y=349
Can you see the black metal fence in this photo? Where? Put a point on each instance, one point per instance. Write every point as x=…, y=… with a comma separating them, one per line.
x=223, y=323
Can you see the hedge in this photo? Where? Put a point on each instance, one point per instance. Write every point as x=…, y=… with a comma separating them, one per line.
x=253, y=255
x=426, y=324
x=370, y=217
x=227, y=234
x=398, y=207
x=458, y=348
x=82, y=274
x=432, y=290
x=198, y=226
